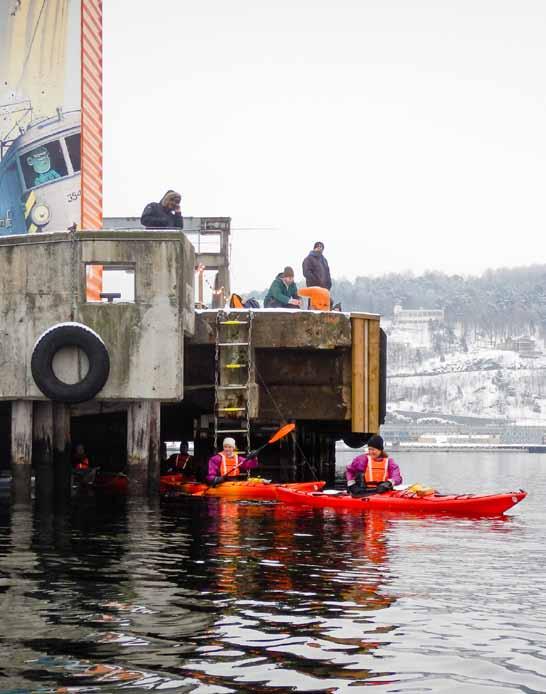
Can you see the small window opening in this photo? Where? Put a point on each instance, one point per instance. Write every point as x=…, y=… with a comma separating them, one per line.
x=109, y=283
x=73, y=147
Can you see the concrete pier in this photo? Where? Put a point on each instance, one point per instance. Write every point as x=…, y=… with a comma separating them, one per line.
x=174, y=371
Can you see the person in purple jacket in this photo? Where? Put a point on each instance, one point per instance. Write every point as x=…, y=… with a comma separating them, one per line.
x=227, y=464
x=374, y=472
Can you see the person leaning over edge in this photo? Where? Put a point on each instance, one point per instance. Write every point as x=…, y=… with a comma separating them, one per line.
x=373, y=472
x=164, y=214
x=316, y=269
x=227, y=464
x=283, y=292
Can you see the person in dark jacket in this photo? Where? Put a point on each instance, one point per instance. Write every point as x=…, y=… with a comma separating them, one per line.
x=283, y=293
x=164, y=214
x=315, y=268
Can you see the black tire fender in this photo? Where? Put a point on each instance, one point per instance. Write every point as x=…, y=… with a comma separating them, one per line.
x=70, y=335
x=356, y=440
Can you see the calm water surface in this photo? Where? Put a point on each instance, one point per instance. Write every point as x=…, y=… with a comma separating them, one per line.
x=210, y=596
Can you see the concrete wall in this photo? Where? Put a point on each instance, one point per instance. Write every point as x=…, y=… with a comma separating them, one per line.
x=42, y=282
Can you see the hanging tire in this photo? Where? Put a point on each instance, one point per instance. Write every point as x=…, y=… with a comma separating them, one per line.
x=70, y=335
x=356, y=440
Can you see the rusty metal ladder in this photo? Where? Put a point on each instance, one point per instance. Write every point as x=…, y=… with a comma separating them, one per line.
x=232, y=374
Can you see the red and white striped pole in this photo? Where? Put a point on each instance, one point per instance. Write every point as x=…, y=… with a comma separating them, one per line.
x=91, y=97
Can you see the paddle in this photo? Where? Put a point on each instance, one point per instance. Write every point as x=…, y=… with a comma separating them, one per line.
x=277, y=436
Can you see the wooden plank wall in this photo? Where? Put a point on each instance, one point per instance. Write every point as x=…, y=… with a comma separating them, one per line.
x=365, y=373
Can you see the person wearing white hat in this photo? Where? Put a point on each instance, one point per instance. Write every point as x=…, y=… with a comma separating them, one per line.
x=228, y=464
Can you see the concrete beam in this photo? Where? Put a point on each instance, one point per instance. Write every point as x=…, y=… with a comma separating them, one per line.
x=277, y=329
x=309, y=402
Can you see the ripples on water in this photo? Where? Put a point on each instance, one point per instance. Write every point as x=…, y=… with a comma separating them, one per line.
x=212, y=596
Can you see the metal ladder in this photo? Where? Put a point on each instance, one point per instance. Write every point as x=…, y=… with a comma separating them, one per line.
x=232, y=374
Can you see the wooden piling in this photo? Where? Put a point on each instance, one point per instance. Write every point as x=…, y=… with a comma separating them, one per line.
x=62, y=464
x=43, y=450
x=154, y=455
x=359, y=395
x=21, y=449
x=138, y=446
x=365, y=373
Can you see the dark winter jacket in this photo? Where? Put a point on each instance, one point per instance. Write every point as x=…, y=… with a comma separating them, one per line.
x=157, y=216
x=279, y=294
x=316, y=271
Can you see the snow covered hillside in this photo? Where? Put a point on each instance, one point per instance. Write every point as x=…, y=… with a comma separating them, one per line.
x=478, y=382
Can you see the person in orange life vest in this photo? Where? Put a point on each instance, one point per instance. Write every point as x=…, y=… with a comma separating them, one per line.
x=182, y=462
x=228, y=464
x=80, y=461
x=374, y=472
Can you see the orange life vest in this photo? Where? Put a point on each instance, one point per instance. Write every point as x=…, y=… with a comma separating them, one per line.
x=376, y=471
x=181, y=461
x=229, y=465
x=82, y=464
x=319, y=296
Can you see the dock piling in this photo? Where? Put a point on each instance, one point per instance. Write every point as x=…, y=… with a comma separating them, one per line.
x=138, y=446
x=61, y=450
x=154, y=460
x=21, y=449
x=43, y=449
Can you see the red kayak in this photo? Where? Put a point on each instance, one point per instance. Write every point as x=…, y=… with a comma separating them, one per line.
x=109, y=483
x=402, y=501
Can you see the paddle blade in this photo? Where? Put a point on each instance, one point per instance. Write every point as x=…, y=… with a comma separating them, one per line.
x=283, y=431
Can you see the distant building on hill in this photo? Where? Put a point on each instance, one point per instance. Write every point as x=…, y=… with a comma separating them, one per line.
x=417, y=316
x=524, y=345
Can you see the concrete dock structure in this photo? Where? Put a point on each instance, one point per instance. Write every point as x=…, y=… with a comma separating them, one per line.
x=174, y=372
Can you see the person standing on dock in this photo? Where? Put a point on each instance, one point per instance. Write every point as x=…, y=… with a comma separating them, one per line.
x=228, y=465
x=283, y=293
x=164, y=214
x=316, y=269
x=372, y=473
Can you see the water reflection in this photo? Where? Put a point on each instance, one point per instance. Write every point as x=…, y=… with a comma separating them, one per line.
x=210, y=595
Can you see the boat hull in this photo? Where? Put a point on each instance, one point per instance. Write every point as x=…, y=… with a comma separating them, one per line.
x=465, y=504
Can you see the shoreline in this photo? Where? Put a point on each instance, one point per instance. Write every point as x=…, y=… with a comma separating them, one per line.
x=447, y=448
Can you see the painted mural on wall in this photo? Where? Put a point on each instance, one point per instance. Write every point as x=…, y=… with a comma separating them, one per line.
x=40, y=115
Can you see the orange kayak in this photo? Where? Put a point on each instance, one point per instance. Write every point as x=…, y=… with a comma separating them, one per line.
x=253, y=488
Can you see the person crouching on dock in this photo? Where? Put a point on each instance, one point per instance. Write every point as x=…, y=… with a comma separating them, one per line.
x=373, y=473
x=227, y=465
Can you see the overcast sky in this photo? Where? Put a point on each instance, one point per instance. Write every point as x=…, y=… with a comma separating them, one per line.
x=405, y=135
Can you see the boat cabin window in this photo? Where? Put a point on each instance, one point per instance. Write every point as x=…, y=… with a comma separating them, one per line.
x=43, y=164
x=74, y=150
x=109, y=283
